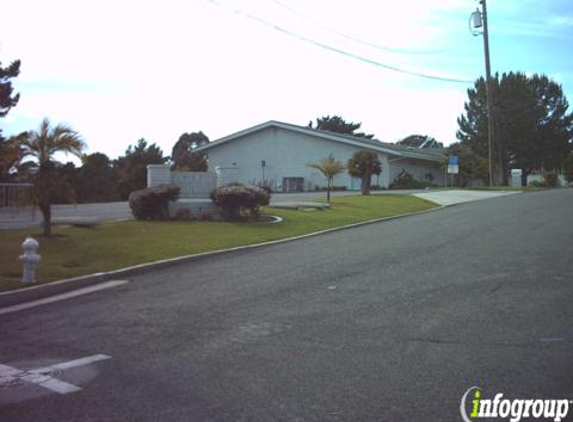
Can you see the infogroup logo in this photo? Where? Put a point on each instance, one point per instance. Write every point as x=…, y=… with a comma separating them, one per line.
x=514, y=409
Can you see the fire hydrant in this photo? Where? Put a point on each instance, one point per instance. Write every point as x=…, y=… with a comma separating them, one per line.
x=30, y=259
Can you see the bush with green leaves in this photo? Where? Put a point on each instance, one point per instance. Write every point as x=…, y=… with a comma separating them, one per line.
x=236, y=201
x=153, y=203
x=550, y=180
x=405, y=180
x=568, y=168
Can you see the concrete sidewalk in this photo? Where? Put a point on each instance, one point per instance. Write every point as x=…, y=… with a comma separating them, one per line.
x=451, y=197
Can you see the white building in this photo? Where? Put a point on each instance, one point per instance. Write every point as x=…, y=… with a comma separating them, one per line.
x=278, y=155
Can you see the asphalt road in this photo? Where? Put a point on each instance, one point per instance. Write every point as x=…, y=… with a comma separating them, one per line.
x=387, y=322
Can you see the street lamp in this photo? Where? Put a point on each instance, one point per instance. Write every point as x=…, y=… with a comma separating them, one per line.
x=478, y=20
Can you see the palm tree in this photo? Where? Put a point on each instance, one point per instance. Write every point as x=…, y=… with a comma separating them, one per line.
x=41, y=146
x=363, y=164
x=329, y=167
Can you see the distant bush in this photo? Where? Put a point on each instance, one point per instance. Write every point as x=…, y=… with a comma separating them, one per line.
x=153, y=203
x=236, y=199
x=334, y=188
x=550, y=180
x=405, y=180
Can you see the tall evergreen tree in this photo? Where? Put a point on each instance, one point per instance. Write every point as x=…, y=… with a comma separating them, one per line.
x=132, y=167
x=7, y=99
x=96, y=179
x=418, y=141
x=339, y=125
x=532, y=128
x=183, y=155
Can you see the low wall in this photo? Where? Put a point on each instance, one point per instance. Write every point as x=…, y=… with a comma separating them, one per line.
x=193, y=185
x=196, y=208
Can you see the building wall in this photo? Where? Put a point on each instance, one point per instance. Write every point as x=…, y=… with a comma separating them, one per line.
x=286, y=154
x=420, y=169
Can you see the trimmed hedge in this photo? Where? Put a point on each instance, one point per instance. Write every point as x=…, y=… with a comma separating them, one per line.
x=153, y=203
x=234, y=199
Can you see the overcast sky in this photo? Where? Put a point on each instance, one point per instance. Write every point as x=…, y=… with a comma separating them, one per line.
x=117, y=71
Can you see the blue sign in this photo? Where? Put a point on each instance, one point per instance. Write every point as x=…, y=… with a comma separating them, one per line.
x=263, y=163
x=453, y=159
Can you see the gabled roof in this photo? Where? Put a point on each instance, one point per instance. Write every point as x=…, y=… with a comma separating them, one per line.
x=362, y=142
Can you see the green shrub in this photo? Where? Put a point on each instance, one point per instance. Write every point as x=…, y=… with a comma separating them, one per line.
x=334, y=188
x=405, y=180
x=236, y=199
x=550, y=180
x=153, y=203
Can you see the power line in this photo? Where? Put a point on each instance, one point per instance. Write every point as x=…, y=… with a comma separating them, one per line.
x=338, y=50
x=361, y=41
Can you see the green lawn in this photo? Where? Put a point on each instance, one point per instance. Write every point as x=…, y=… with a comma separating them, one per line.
x=78, y=251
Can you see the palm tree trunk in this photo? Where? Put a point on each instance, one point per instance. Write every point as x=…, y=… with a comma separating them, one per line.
x=47, y=215
x=328, y=183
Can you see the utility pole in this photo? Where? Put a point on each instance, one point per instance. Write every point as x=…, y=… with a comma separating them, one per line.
x=489, y=86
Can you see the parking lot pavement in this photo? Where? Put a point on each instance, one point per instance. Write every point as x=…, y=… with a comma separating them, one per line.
x=28, y=217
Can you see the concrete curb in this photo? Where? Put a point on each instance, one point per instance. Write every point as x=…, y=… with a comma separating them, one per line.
x=41, y=291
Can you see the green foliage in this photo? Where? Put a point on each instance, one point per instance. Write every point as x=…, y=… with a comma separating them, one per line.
x=532, y=127
x=568, y=167
x=153, y=203
x=363, y=164
x=339, y=125
x=234, y=199
x=132, y=167
x=417, y=140
x=184, y=158
x=7, y=100
x=472, y=166
x=329, y=167
x=550, y=179
x=10, y=154
x=333, y=188
x=406, y=180
x=64, y=190
x=96, y=180
x=41, y=146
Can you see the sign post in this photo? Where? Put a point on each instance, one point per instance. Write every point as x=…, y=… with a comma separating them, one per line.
x=453, y=165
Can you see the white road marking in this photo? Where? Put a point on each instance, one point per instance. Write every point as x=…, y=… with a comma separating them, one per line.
x=63, y=296
x=70, y=364
x=50, y=383
x=42, y=378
